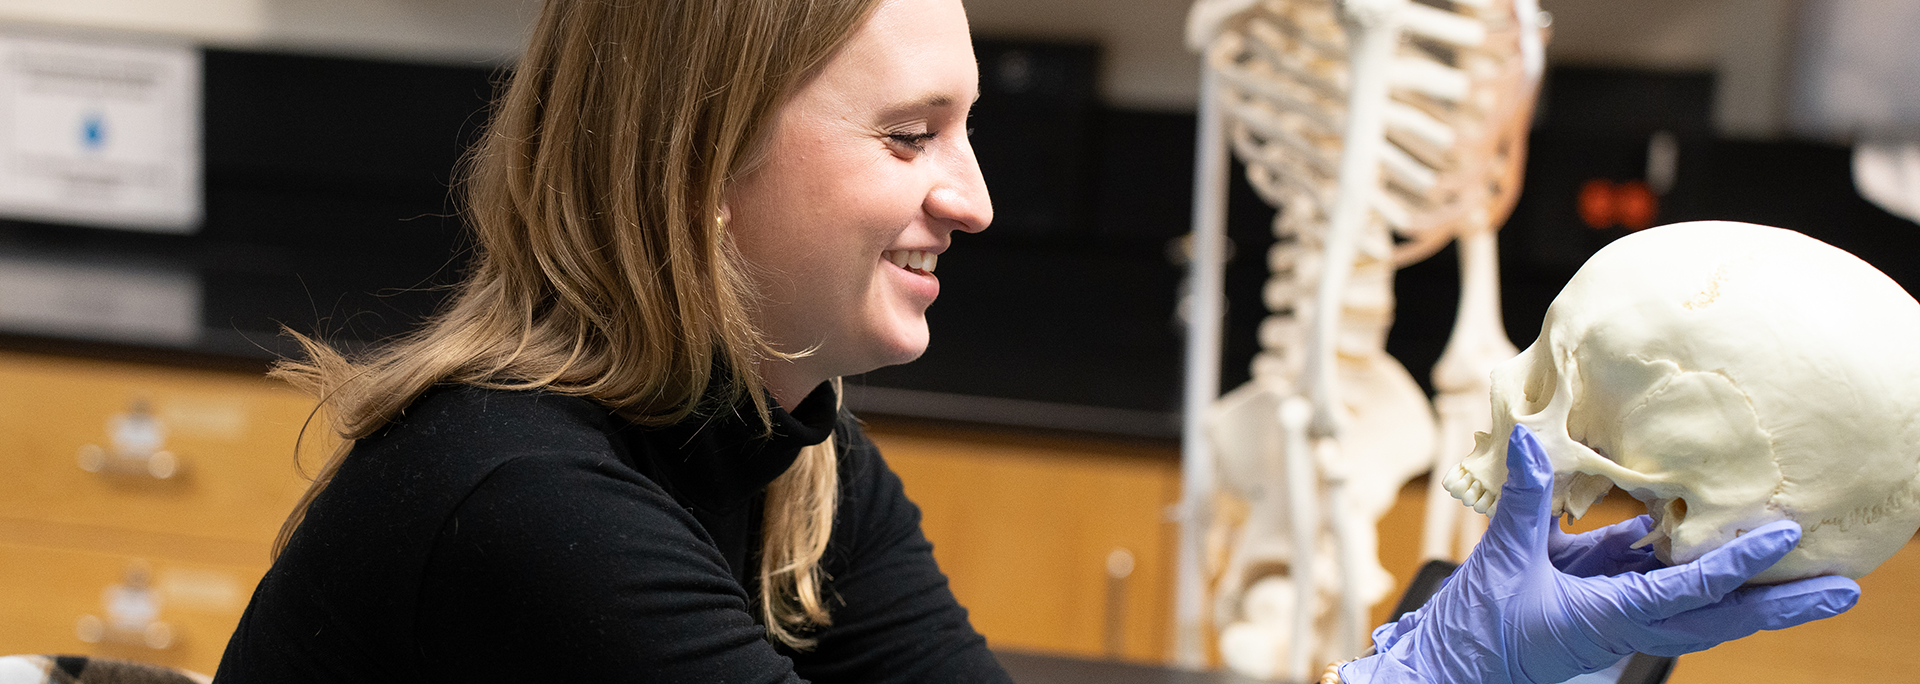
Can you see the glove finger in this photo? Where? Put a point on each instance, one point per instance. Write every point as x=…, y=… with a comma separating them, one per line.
x=1623, y=533
x=1751, y=609
x=1618, y=540
x=1670, y=591
x=1563, y=545
x=1605, y=551
x=1518, y=531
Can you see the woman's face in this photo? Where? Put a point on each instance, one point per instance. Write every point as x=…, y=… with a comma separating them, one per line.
x=868, y=166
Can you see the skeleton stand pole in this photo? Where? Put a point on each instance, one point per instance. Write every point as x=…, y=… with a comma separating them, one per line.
x=1205, y=309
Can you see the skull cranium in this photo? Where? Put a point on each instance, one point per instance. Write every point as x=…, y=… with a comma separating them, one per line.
x=1728, y=375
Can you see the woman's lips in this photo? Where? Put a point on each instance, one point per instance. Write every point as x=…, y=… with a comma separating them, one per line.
x=915, y=269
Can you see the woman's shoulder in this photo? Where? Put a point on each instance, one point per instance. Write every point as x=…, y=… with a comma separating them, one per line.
x=455, y=417
x=455, y=437
x=351, y=577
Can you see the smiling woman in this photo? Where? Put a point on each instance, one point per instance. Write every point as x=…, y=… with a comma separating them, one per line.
x=618, y=454
x=868, y=173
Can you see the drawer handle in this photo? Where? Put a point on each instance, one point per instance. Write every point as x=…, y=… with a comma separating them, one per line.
x=155, y=635
x=132, y=614
x=1119, y=567
x=159, y=465
x=137, y=448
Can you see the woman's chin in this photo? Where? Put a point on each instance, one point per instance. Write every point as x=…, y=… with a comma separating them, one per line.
x=903, y=346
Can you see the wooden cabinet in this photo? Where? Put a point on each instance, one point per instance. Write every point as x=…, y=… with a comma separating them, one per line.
x=1053, y=544
x=98, y=553
x=55, y=595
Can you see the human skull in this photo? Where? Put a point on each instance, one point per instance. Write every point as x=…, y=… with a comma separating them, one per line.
x=1727, y=375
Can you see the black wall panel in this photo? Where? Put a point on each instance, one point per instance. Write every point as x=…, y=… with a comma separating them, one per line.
x=330, y=209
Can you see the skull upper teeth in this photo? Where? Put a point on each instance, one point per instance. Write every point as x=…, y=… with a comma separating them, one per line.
x=1469, y=490
x=916, y=259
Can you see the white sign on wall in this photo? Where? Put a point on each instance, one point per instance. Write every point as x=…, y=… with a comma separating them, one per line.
x=100, y=134
x=68, y=298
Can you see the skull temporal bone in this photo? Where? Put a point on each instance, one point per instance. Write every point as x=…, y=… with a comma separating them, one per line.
x=1728, y=375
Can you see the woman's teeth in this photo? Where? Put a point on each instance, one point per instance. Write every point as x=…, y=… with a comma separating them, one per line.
x=912, y=259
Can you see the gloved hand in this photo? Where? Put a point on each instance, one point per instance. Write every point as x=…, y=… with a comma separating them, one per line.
x=1509, y=615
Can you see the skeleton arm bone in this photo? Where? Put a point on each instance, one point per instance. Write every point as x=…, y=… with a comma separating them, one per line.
x=1477, y=344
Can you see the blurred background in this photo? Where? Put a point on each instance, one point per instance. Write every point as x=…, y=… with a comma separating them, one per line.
x=301, y=171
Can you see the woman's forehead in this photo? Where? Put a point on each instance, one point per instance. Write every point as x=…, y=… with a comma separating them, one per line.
x=908, y=54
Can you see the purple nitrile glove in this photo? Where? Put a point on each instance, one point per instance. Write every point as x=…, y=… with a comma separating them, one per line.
x=1509, y=615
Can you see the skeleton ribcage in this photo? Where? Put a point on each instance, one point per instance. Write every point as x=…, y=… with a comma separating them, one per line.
x=1446, y=158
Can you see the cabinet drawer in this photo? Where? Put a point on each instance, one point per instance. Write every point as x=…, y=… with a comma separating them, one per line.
x=232, y=436
x=1053, y=545
x=49, y=597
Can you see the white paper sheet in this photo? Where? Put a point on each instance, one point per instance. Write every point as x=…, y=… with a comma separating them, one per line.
x=100, y=134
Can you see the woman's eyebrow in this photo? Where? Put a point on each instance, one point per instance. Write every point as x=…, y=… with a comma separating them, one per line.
x=924, y=102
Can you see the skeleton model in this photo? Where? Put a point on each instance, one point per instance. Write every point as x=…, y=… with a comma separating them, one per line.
x=1320, y=99
x=1728, y=375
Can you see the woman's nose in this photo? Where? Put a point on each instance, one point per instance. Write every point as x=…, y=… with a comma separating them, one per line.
x=961, y=196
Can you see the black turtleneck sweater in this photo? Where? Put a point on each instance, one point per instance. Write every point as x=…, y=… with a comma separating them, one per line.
x=490, y=536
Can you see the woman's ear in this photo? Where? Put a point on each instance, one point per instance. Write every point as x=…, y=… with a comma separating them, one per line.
x=723, y=216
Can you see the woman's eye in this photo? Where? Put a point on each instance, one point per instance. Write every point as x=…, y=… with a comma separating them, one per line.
x=916, y=141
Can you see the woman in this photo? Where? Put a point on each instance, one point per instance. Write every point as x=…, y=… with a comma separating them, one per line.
x=618, y=454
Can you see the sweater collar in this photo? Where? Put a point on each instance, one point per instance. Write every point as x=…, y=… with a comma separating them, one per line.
x=721, y=460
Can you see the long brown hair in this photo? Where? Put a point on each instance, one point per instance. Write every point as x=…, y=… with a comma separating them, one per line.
x=601, y=268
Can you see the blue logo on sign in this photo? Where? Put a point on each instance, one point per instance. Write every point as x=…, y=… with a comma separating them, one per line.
x=93, y=131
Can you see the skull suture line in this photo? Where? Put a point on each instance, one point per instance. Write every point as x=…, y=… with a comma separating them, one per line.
x=1727, y=375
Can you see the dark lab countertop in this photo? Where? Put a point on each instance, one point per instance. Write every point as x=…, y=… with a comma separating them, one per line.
x=1030, y=668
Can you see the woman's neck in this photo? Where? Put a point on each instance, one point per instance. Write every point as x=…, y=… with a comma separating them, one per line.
x=788, y=382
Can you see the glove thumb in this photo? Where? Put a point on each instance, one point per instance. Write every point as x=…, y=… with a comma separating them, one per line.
x=1522, y=520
